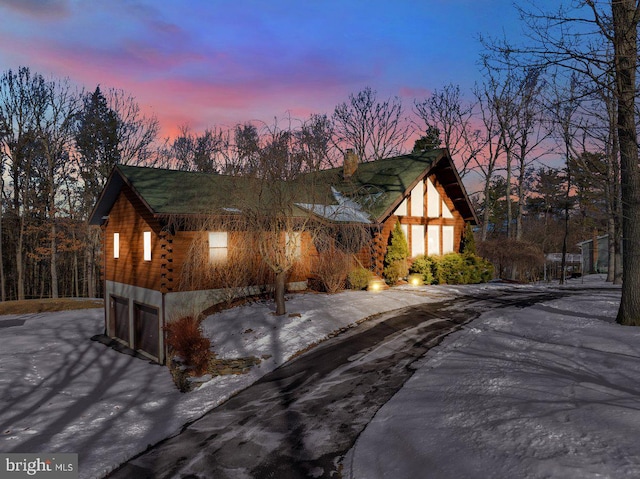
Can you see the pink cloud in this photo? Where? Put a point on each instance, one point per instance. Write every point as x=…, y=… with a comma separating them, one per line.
x=39, y=8
x=414, y=92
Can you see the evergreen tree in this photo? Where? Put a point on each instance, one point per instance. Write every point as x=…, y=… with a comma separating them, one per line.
x=429, y=141
x=468, y=241
x=97, y=142
x=395, y=261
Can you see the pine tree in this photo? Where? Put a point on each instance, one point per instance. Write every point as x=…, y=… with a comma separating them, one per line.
x=97, y=143
x=395, y=261
x=468, y=241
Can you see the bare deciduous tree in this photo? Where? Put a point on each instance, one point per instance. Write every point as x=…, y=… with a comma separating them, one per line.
x=372, y=128
x=446, y=112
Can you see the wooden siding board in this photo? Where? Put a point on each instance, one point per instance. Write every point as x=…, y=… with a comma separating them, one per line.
x=129, y=222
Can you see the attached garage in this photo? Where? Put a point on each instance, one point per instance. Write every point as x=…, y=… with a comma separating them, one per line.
x=120, y=318
x=146, y=320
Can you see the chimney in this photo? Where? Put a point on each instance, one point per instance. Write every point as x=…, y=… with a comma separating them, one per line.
x=350, y=163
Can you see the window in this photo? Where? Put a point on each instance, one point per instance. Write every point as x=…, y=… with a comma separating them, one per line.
x=294, y=245
x=405, y=230
x=417, y=200
x=433, y=201
x=447, y=239
x=417, y=240
x=116, y=245
x=147, y=245
x=446, y=212
x=218, y=246
x=433, y=235
x=402, y=209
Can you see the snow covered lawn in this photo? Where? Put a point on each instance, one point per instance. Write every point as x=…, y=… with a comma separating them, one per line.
x=62, y=392
x=547, y=391
x=551, y=391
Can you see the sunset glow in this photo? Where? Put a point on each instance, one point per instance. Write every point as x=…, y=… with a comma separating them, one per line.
x=207, y=64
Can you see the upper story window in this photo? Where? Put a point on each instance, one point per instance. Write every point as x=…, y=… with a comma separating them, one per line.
x=433, y=200
x=218, y=246
x=446, y=212
x=116, y=245
x=147, y=245
x=417, y=200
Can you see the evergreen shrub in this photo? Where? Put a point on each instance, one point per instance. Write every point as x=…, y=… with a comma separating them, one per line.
x=359, y=278
x=395, y=261
x=453, y=268
x=423, y=265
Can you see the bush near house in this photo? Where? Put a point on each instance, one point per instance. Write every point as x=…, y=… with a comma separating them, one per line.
x=452, y=268
x=185, y=339
x=423, y=265
x=332, y=269
x=359, y=278
x=395, y=261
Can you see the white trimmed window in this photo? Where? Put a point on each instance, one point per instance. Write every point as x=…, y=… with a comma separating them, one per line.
x=293, y=244
x=446, y=212
x=402, y=209
x=417, y=240
x=146, y=236
x=417, y=200
x=405, y=230
x=218, y=246
x=447, y=239
x=433, y=200
x=433, y=240
x=116, y=245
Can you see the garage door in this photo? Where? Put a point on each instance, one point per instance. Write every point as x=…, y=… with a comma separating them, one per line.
x=147, y=329
x=120, y=318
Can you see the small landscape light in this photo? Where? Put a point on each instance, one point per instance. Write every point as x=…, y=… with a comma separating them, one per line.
x=375, y=285
x=415, y=279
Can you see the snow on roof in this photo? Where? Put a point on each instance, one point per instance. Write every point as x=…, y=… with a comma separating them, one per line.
x=345, y=211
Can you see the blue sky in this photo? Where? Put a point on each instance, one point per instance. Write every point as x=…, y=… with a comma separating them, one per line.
x=219, y=62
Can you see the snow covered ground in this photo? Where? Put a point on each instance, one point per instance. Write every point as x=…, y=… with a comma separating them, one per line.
x=548, y=391
x=62, y=392
x=551, y=391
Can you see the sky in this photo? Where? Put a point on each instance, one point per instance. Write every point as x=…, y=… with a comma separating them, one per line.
x=206, y=63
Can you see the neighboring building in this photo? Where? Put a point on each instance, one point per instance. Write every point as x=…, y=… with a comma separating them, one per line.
x=149, y=219
x=595, y=260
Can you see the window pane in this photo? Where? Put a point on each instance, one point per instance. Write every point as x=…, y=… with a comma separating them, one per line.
x=417, y=200
x=147, y=245
x=433, y=233
x=218, y=246
x=116, y=245
x=217, y=239
x=417, y=240
x=447, y=239
x=446, y=212
x=293, y=245
x=433, y=200
x=402, y=209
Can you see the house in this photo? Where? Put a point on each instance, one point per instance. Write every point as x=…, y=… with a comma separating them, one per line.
x=595, y=259
x=152, y=218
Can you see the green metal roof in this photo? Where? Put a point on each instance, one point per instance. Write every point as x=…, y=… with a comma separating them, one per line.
x=374, y=189
x=379, y=185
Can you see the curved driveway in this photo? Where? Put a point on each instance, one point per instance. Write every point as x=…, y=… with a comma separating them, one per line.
x=300, y=420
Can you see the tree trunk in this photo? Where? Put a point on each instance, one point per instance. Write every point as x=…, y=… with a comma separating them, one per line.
x=625, y=25
x=280, y=289
x=3, y=289
x=611, y=240
x=54, y=260
x=19, y=261
x=508, y=196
